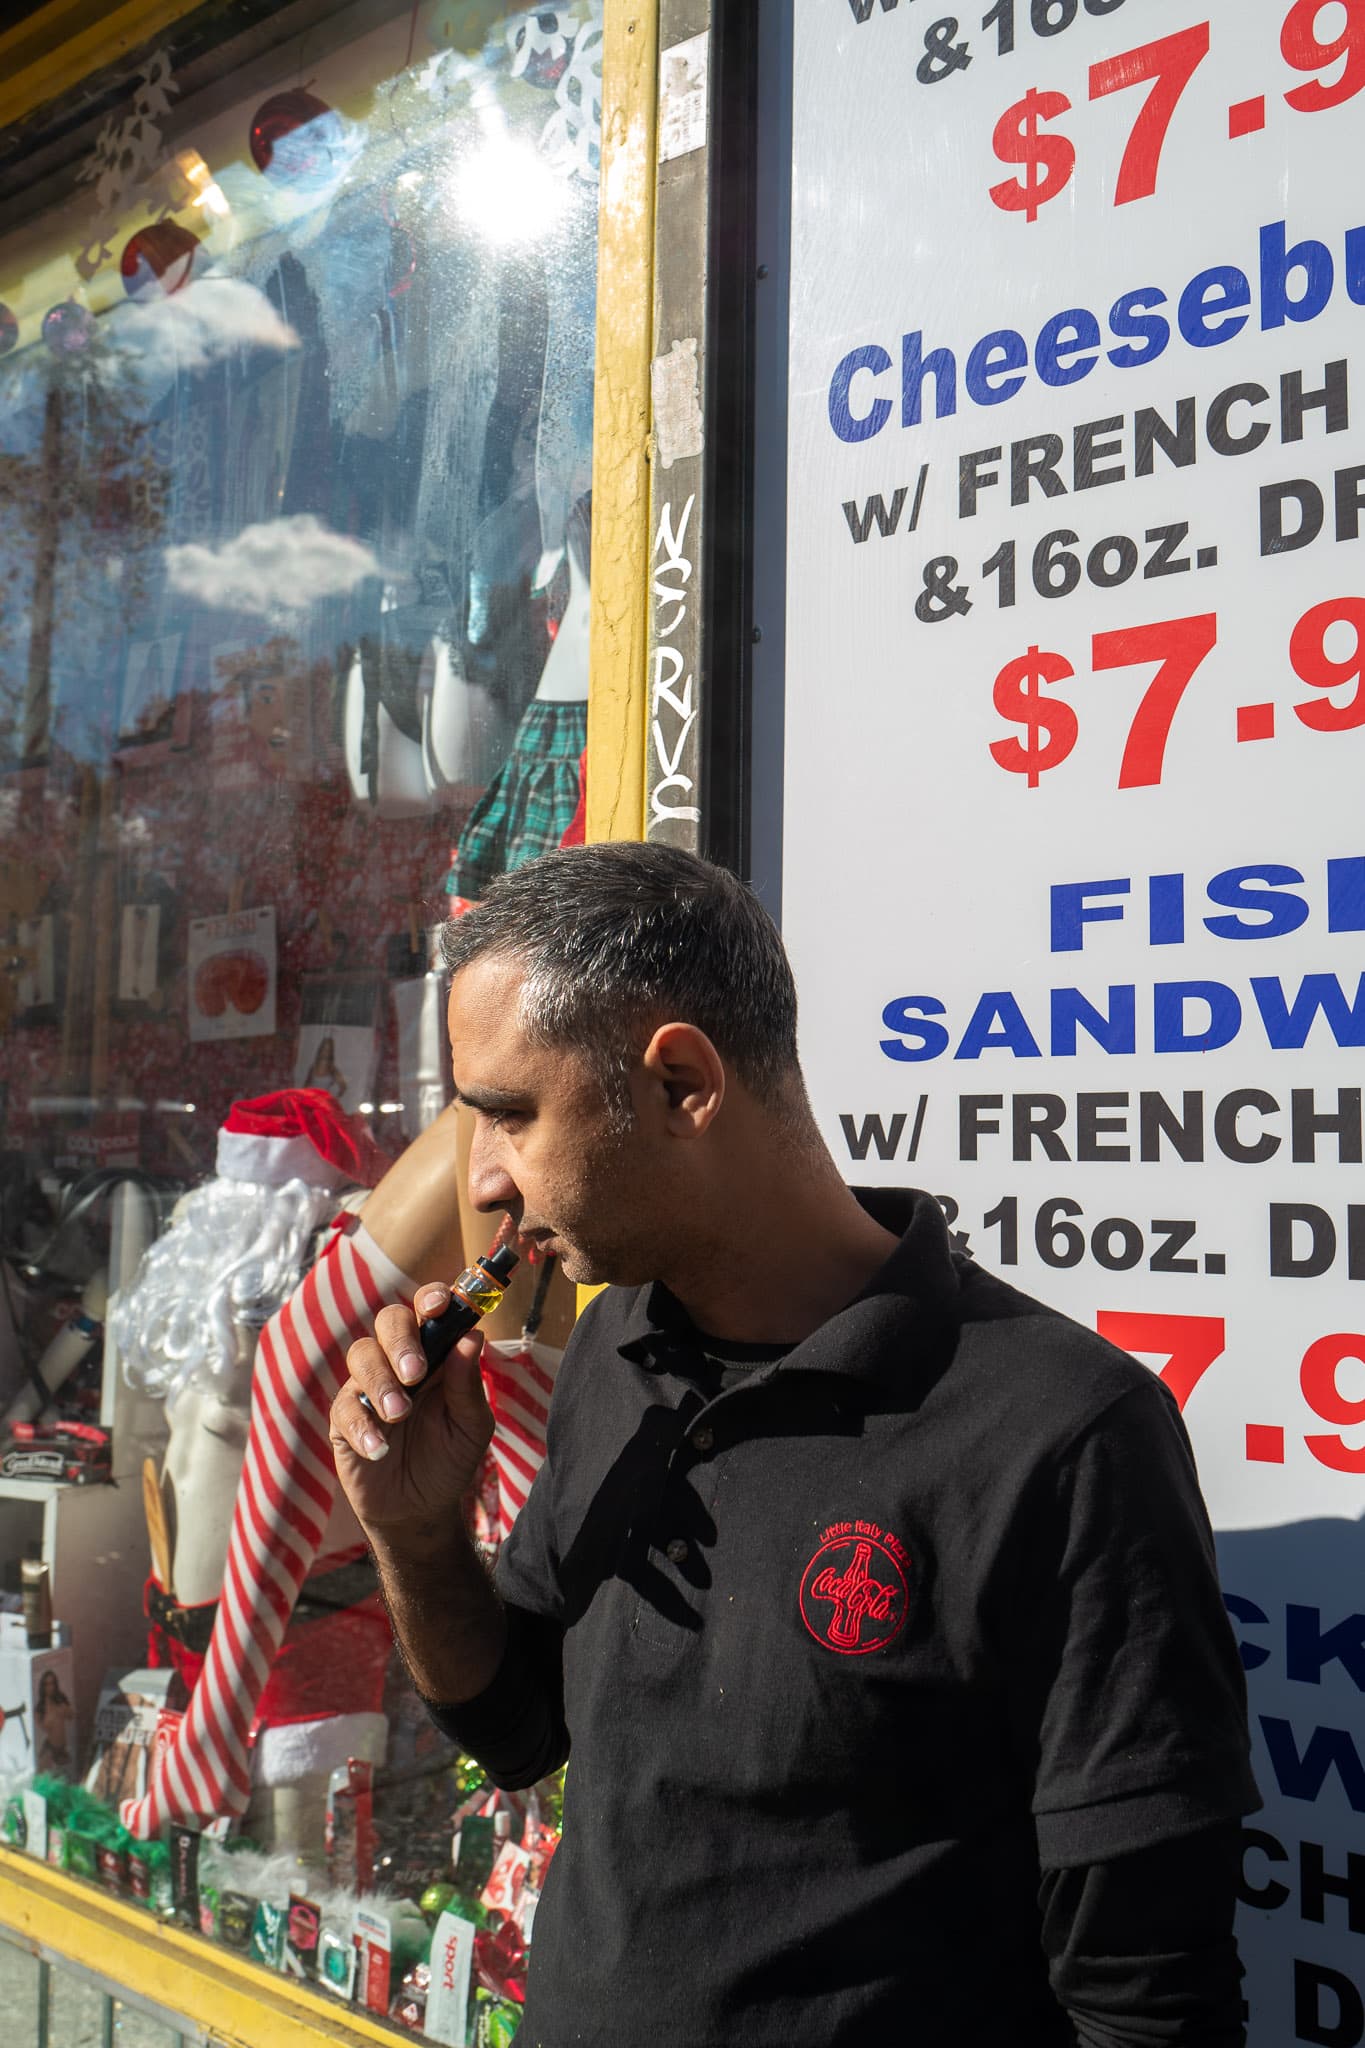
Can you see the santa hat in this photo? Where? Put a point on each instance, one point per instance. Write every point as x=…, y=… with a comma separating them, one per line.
x=297, y=1134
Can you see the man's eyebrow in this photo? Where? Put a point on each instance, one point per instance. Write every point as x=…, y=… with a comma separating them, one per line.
x=488, y=1098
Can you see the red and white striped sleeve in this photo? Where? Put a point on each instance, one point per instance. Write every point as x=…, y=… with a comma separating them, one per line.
x=283, y=1501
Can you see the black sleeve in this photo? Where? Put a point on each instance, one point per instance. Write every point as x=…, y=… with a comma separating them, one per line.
x=1126, y=1693
x=1141, y=1951
x=515, y=1726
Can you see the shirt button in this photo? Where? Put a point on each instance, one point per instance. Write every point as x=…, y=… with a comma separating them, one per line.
x=703, y=1439
x=676, y=1551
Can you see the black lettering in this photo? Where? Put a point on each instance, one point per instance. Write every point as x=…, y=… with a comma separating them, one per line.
x=1157, y=1120
x=1350, y=492
x=1040, y=1117
x=1036, y=461
x=1340, y=2029
x=973, y=1124
x=972, y=479
x=1269, y=1897
x=1087, y=450
x=1225, y=1134
x=873, y=1132
x=1285, y=1263
x=1332, y=400
x=1175, y=1236
x=1316, y=1883
x=1274, y=498
x=1168, y=538
x=860, y=523
x=1346, y=1124
x=1221, y=439
x=1091, y=1126
x=1151, y=432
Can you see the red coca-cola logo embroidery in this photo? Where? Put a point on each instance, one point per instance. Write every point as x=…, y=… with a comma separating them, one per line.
x=855, y=1593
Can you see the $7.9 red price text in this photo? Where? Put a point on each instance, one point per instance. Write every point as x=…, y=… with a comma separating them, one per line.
x=1178, y=648
x=1047, y=158
x=1188, y=1346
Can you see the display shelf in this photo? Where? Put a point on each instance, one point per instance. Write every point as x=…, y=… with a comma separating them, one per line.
x=235, y=2002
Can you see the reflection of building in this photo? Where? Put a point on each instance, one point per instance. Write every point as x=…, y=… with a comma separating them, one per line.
x=147, y=693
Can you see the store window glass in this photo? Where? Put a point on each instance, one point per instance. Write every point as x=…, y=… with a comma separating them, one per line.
x=296, y=360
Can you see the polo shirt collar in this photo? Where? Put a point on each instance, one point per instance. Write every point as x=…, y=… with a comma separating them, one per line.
x=905, y=1313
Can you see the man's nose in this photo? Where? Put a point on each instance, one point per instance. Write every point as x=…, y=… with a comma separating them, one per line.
x=491, y=1186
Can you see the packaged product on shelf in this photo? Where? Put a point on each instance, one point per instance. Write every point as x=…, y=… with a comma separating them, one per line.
x=349, y=1835
x=303, y=1928
x=336, y=1962
x=267, y=1934
x=409, y=2003
x=493, y=2021
x=374, y=1946
x=184, y=1844
x=452, y=1963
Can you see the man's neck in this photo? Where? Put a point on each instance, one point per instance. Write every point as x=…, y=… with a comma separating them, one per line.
x=800, y=1256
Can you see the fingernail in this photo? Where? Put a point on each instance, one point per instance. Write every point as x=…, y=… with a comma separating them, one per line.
x=394, y=1405
x=430, y=1301
x=374, y=1445
x=409, y=1366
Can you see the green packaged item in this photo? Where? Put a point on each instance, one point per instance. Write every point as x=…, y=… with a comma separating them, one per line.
x=267, y=1934
x=475, y=1853
x=435, y=1899
x=495, y=2020
x=336, y=1963
x=81, y=1853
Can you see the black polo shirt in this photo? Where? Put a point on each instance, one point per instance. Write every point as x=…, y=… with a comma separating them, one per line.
x=846, y=1653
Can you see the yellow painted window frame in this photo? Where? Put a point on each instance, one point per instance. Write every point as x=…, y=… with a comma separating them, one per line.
x=233, y=2001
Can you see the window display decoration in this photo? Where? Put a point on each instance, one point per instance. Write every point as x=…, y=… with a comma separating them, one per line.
x=68, y=328
x=9, y=329
x=158, y=260
x=297, y=139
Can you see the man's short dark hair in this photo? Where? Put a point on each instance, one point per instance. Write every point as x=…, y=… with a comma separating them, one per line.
x=619, y=937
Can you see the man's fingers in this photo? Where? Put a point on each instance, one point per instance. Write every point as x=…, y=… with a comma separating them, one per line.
x=369, y=1365
x=352, y=1425
x=396, y=1330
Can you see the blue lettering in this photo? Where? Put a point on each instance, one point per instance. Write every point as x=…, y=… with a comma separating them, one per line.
x=1074, y=334
x=1308, y=1649
x=1166, y=909
x=941, y=365
x=1117, y=1032
x=1009, y=1032
x=1071, y=911
x=1346, y=894
x=1207, y=300
x=1282, y=913
x=907, y=1016
x=1312, y=258
x=1303, y=1777
x=1168, y=1015
x=995, y=357
x=1287, y=1025
x=1131, y=319
x=847, y=424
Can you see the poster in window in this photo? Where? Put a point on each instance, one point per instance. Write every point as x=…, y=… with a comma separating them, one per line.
x=338, y=1047
x=232, y=975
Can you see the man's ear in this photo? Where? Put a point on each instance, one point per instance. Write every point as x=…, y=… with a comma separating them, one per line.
x=682, y=1078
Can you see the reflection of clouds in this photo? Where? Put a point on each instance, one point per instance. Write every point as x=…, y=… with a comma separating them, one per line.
x=280, y=565
x=206, y=320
